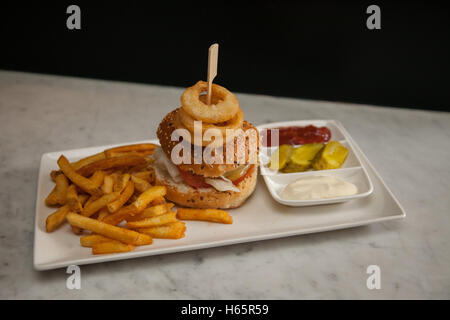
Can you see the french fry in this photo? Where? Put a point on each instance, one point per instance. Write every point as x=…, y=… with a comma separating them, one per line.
x=110, y=163
x=109, y=231
x=51, y=199
x=61, y=188
x=174, y=230
x=121, y=182
x=122, y=199
x=158, y=200
x=101, y=202
x=83, y=183
x=88, y=160
x=72, y=199
x=141, y=185
x=148, y=196
x=152, y=212
x=142, y=148
x=92, y=239
x=155, y=221
x=120, y=215
x=55, y=219
x=145, y=175
x=108, y=184
x=111, y=247
x=98, y=177
x=102, y=214
x=212, y=215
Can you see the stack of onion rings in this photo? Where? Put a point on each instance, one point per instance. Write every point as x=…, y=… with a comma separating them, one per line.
x=224, y=110
x=223, y=114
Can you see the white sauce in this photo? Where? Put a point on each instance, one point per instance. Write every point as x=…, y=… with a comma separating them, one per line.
x=318, y=187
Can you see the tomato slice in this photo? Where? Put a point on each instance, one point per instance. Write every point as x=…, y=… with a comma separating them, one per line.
x=245, y=175
x=194, y=180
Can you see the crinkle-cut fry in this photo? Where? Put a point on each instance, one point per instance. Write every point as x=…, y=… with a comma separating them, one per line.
x=212, y=215
x=148, y=196
x=102, y=214
x=122, y=199
x=174, y=230
x=51, y=199
x=158, y=200
x=72, y=199
x=98, y=177
x=141, y=185
x=62, y=184
x=138, y=148
x=83, y=183
x=121, y=182
x=101, y=202
x=55, y=219
x=109, y=231
x=120, y=215
x=111, y=247
x=108, y=184
x=92, y=239
x=154, y=221
x=153, y=211
x=110, y=163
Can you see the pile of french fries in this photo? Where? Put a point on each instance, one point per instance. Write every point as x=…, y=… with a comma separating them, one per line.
x=113, y=195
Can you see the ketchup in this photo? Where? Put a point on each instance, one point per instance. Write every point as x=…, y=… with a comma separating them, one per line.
x=298, y=135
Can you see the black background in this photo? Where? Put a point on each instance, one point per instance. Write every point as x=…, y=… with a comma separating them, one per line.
x=313, y=49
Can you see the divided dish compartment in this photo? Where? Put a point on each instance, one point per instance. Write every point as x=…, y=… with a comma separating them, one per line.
x=352, y=170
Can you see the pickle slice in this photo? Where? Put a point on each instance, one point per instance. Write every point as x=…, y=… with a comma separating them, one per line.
x=302, y=157
x=280, y=157
x=331, y=157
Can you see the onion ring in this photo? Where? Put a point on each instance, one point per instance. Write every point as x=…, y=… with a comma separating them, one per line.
x=233, y=124
x=225, y=109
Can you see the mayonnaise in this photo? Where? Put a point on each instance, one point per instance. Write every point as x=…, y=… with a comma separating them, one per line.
x=318, y=187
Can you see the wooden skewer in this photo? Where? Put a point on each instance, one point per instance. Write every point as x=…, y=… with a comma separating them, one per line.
x=213, y=54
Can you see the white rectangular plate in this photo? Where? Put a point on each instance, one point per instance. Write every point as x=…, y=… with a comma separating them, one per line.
x=352, y=171
x=260, y=218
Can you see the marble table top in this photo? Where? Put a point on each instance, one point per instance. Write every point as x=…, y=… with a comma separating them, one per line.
x=409, y=148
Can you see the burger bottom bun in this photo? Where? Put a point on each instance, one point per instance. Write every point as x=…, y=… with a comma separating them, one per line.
x=206, y=198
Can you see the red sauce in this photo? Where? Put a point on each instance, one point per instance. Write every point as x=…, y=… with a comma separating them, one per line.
x=298, y=135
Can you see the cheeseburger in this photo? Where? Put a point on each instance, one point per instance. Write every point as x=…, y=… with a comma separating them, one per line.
x=209, y=154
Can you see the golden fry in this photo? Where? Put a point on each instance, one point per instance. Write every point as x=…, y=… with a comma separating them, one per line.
x=120, y=215
x=62, y=184
x=92, y=239
x=212, y=215
x=147, y=175
x=174, y=230
x=149, y=195
x=108, y=184
x=83, y=183
x=107, y=230
x=98, y=177
x=111, y=163
x=121, y=182
x=158, y=200
x=111, y=247
x=51, y=199
x=142, y=148
x=102, y=214
x=55, y=219
x=152, y=212
x=101, y=202
x=88, y=160
x=155, y=221
x=122, y=199
x=141, y=185
x=72, y=199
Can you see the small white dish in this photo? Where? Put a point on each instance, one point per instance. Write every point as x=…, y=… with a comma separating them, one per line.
x=352, y=171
